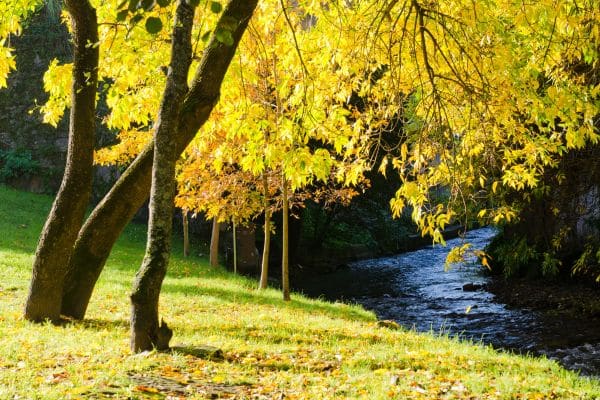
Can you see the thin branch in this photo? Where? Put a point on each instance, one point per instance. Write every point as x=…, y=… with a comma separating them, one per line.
x=296, y=45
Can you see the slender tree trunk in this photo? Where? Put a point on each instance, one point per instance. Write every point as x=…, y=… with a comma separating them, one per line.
x=214, y=243
x=234, y=247
x=145, y=329
x=55, y=245
x=264, y=267
x=116, y=209
x=285, y=267
x=186, y=234
x=247, y=254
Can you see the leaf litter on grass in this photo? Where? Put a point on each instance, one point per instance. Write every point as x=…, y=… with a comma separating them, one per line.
x=305, y=349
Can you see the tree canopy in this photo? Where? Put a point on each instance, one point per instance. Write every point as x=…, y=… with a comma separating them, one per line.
x=479, y=98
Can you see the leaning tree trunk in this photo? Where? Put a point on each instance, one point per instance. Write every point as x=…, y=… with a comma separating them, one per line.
x=116, y=209
x=55, y=246
x=264, y=266
x=145, y=332
x=285, y=267
x=101, y=230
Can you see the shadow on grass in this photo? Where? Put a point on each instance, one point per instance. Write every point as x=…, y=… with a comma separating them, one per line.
x=100, y=324
x=248, y=296
x=127, y=256
x=198, y=351
x=294, y=335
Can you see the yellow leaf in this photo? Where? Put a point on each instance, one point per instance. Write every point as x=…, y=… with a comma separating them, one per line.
x=403, y=151
x=383, y=166
x=494, y=186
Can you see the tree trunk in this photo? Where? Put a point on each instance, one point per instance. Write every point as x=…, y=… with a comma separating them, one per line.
x=55, y=246
x=235, y=246
x=247, y=254
x=214, y=243
x=264, y=267
x=100, y=232
x=186, y=234
x=145, y=329
x=285, y=268
x=116, y=209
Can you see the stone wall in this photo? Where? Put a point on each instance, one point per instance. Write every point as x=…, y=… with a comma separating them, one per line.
x=21, y=126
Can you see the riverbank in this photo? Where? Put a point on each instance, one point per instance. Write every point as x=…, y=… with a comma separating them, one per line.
x=303, y=349
x=572, y=298
x=571, y=315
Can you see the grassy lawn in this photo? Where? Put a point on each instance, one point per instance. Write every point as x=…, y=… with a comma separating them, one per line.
x=304, y=349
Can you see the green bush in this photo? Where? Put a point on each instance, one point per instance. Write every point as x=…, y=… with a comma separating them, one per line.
x=550, y=266
x=17, y=163
x=514, y=257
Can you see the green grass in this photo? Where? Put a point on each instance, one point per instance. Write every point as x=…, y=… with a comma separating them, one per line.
x=302, y=349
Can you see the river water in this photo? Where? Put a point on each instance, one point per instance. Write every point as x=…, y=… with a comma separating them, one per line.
x=413, y=290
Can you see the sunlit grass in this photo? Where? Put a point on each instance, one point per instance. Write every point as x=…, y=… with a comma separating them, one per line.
x=302, y=349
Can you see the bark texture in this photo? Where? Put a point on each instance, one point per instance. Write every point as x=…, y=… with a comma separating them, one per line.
x=55, y=245
x=116, y=209
x=146, y=333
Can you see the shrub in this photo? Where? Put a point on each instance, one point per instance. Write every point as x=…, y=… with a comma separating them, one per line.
x=17, y=163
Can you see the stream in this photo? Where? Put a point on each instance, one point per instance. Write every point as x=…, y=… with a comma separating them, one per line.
x=413, y=290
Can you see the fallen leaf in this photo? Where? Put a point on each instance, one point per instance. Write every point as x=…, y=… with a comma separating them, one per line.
x=146, y=389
